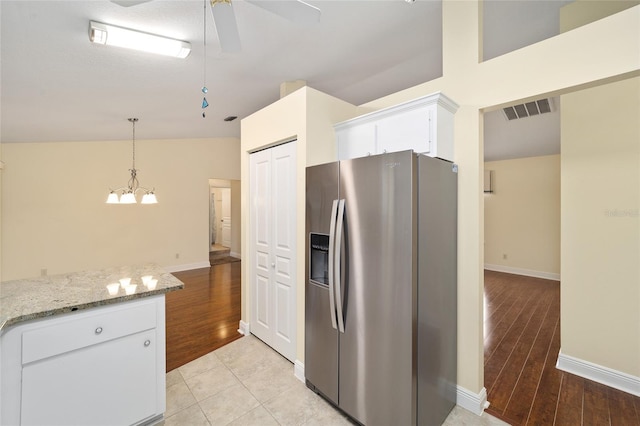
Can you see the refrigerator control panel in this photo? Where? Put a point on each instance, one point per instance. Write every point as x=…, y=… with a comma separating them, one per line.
x=319, y=258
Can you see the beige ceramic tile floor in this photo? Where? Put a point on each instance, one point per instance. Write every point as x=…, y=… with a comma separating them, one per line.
x=248, y=383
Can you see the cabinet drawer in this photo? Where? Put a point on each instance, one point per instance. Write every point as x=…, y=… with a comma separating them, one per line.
x=84, y=329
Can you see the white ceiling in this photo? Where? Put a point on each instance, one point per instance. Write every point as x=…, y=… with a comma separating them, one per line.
x=57, y=86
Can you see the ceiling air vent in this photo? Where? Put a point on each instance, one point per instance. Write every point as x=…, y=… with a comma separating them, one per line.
x=541, y=106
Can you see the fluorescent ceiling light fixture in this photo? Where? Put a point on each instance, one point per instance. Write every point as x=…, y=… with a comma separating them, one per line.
x=123, y=37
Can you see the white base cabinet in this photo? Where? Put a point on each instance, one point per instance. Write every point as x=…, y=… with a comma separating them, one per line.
x=424, y=125
x=100, y=366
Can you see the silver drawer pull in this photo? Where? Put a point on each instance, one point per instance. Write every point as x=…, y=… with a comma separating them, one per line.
x=147, y=343
x=98, y=330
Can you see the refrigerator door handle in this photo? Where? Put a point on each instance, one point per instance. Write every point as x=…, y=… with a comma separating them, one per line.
x=332, y=232
x=337, y=267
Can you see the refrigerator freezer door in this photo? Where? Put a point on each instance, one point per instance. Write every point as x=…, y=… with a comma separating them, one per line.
x=321, y=339
x=377, y=362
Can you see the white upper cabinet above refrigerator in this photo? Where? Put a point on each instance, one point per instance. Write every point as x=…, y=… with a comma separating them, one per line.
x=424, y=125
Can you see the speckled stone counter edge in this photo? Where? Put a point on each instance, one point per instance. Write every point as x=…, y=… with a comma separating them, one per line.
x=28, y=299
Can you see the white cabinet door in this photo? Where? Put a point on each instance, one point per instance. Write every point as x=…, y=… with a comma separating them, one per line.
x=100, y=366
x=261, y=244
x=424, y=125
x=112, y=383
x=273, y=245
x=356, y=141
x=409, y=130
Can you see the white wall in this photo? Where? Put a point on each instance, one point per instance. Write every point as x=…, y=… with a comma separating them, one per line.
x=522, y=217
x=600, y=291
x=54, y=214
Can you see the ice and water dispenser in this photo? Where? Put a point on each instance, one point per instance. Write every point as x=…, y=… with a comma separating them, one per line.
x=319, y=258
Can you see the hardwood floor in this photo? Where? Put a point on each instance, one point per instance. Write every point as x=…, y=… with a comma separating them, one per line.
x=204, y=315
x=522, y=341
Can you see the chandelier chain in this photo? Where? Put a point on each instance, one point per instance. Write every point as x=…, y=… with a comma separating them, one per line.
x=133, y=120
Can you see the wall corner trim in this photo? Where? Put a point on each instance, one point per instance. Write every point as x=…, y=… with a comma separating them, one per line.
x=244, y=328
x=298, y=370
x=526, y=272
x=604, y=375
x=471, y=401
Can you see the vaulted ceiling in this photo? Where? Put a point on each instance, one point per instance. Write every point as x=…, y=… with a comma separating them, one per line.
x=57, y=86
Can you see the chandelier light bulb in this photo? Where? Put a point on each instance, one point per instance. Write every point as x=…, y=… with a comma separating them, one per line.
x=128, y=198
x=149, y=198
x=112, y=198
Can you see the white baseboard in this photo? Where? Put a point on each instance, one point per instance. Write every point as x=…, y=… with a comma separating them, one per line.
x=521, y=271
x=607, y=376
x=234, y=254
x=298, y=370
x=244, y=328
x=470, y=401
x=187, y=266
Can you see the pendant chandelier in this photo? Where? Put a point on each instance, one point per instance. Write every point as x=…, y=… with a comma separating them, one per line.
x=129, y=192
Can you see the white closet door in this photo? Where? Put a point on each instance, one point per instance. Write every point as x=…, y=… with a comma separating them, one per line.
x=226, y=216
x=273, y=235
x=260, y=187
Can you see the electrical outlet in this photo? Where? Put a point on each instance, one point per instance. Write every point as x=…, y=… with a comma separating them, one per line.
x=43, y=272
x=504, y=256
x=177, y=255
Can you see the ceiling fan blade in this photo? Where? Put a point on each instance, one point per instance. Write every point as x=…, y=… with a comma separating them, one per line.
x=127, y=3
x=226, y=26
x=293, y=10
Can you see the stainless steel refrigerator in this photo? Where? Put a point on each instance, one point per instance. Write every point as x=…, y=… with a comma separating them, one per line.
x=380, y=294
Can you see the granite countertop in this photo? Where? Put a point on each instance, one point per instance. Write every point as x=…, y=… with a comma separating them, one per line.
x=27, y=299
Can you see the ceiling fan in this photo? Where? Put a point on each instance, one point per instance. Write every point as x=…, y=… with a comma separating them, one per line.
x=225, y=20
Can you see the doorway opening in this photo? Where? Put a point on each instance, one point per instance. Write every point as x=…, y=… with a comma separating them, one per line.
x=224, y=220
x=522, y=260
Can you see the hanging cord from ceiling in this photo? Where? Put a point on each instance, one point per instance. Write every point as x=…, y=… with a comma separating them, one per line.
x=204, y=44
